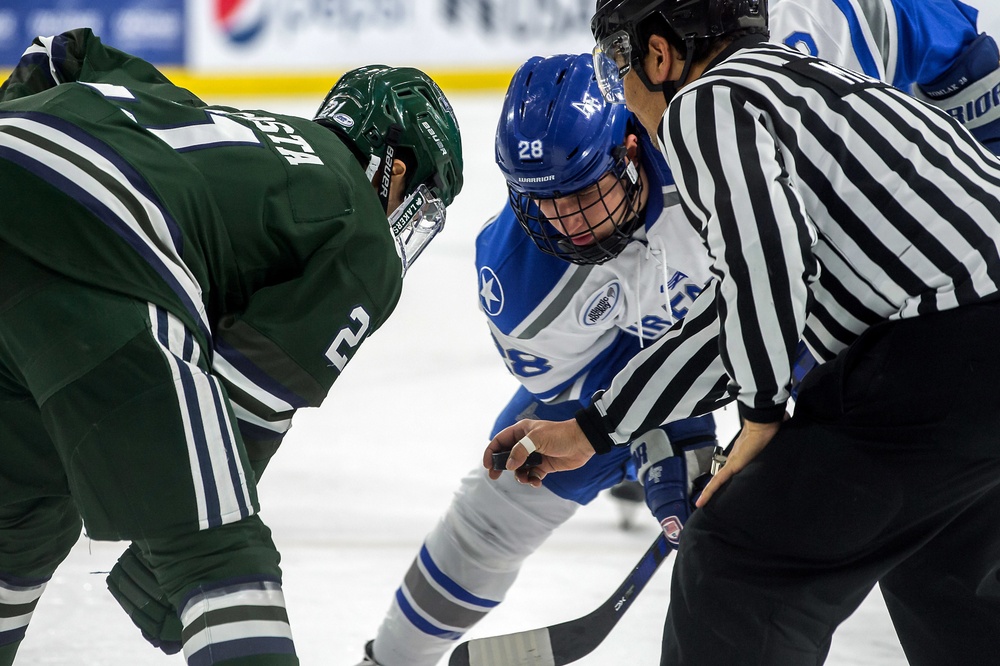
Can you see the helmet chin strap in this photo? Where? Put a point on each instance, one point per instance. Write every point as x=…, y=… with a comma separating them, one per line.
x=670, y=88
x=392, y=137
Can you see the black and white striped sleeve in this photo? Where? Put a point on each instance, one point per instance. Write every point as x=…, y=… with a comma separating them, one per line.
x=739, y=341
x=733, y=184
x=681, y=374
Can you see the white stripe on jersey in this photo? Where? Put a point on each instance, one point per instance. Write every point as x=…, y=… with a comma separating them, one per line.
x=160, y=245
x=230, y=373
x=212, y=444
x=46, y=48
x=279, y=426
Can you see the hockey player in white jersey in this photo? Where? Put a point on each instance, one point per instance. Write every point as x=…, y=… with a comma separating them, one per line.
x=576, y=274
x=930, y=48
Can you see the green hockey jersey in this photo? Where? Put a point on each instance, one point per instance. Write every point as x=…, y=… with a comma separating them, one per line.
x=260, y=231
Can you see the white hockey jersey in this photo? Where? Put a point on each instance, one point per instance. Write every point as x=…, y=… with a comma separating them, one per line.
x=564, y=329
x=901, y=42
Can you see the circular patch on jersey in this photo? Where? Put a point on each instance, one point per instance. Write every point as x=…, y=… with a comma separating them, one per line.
x=344, y=119
x=490, y=292
x=602, y=305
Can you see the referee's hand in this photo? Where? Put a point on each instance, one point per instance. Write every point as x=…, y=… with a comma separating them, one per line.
x=752, y=439
x=562, y=444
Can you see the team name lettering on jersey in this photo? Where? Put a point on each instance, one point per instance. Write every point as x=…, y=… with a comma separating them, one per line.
x=289, y=145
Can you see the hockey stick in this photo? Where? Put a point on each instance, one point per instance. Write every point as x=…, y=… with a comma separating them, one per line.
x=568, y=641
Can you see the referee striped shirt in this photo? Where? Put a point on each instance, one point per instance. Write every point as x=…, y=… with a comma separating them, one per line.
x=828, y=202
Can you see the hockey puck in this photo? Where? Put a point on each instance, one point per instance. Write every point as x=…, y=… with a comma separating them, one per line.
x=500, y=460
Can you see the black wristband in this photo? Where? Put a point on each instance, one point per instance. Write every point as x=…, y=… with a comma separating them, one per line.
x=761, y=414
x=592, y=424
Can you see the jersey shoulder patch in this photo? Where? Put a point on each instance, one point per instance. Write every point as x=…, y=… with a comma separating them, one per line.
x=603, y=304
x=514, y=275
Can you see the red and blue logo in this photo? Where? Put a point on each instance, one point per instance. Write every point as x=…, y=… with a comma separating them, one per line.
x=242, y=21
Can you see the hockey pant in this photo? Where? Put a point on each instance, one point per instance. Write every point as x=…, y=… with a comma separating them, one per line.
x=889, y=473
x=107, y=414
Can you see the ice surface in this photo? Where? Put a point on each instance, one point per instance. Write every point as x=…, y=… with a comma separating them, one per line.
x=359, y=482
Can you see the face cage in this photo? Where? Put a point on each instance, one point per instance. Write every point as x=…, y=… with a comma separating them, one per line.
x=624, y=218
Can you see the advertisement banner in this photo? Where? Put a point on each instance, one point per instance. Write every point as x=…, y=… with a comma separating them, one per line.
x=325, y=35
x=151, y=29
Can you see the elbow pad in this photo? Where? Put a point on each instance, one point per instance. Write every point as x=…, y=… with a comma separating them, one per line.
x=969, y=91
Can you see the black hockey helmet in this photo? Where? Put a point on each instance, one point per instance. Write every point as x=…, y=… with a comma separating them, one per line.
x=621, y=41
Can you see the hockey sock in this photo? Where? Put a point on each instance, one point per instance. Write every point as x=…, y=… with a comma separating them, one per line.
x=239, y=622
x=18, y=598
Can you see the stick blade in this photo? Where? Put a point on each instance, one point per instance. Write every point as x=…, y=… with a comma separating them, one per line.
x=525, y=648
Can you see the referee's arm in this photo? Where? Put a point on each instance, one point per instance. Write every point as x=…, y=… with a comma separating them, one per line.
x=733, y=185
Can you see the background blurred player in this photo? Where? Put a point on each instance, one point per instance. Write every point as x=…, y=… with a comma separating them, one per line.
x=575, y=279
x=177, y=280
x=931, y=48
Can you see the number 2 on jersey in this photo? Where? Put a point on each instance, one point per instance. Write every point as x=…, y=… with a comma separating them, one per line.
x=346, y=336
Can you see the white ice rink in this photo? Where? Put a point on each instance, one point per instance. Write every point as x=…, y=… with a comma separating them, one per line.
x=359, y=482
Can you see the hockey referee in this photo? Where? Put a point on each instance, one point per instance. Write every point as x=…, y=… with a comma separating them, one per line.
x=842, y=212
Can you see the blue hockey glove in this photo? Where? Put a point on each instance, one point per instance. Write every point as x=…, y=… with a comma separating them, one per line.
x=133, y=585
x=969, y=91
x=673, y=474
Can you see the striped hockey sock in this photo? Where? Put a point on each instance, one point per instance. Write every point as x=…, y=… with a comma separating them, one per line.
x=18, y=598
x=237, y=620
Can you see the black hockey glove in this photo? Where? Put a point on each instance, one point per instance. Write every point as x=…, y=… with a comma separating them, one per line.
x=133, y=585
x=673, y=474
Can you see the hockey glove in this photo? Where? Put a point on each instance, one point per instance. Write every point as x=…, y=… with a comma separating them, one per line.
x=673, y=474
x=969, y=91
x=133, y=585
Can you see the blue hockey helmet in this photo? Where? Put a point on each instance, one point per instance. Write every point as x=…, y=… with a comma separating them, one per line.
x=557, y=137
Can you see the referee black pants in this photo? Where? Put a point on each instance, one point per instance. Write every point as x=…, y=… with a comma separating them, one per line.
x=889, y=473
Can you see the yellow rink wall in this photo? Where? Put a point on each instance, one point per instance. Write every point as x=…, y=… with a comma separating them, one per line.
x=278, y=84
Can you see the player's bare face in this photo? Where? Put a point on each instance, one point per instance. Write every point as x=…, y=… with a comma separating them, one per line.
x=590, y=215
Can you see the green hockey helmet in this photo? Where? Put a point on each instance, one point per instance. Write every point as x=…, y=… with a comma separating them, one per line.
x=398, y=112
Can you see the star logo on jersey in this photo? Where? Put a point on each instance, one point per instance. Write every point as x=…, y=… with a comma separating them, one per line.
x=490, y=292
x=589, y=105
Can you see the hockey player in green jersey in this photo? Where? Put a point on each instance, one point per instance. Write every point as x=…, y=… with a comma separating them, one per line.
x=176, y=280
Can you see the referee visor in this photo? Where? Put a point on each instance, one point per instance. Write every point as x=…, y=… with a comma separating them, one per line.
x=612, y=61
